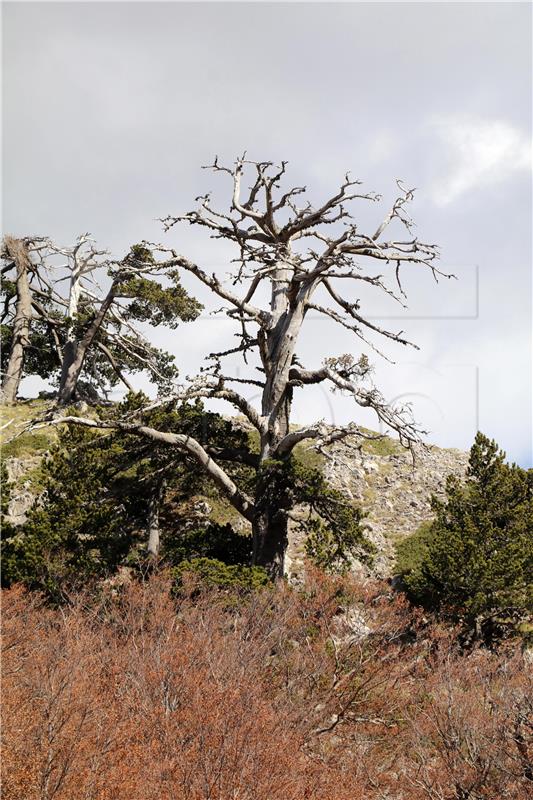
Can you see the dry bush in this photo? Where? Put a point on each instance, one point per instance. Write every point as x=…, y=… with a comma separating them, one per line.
x=60, y=722
x=270, y=697
x=472, y=735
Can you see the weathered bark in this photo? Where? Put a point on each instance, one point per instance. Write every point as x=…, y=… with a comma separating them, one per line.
x=70, y=349
x=75, y=352
x=18, y=251
x=69, y=355
x=270, y=538
x=276, y=346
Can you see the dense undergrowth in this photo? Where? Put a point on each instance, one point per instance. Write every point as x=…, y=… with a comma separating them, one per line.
x=142, y=693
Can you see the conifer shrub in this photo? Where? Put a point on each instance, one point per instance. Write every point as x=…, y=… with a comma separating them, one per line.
x=98, y=488
x=411, y=554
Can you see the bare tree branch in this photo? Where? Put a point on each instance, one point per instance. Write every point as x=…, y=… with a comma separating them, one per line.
x=238, y=499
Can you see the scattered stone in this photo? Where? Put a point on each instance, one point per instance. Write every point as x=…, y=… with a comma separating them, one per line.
x=350, y=627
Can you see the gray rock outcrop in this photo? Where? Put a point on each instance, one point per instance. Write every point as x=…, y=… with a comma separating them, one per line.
x=395, y=493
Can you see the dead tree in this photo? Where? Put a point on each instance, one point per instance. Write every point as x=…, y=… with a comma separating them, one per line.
x=82, y=262
x=85, y=265
x=87, y=329
x=295, y=251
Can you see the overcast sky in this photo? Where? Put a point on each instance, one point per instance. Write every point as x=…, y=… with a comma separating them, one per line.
x=110, y=109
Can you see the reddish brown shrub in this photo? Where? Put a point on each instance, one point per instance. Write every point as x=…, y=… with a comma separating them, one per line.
x=269, y=698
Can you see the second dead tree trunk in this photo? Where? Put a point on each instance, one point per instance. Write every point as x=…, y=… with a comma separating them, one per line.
x=75, y=351
x=17, y=249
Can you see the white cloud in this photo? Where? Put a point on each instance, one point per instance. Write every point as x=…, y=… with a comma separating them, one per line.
x=481, y=152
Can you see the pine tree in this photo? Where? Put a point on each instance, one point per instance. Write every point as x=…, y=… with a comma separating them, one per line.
x=474, y=563
x=101, y=492
x=54, y=325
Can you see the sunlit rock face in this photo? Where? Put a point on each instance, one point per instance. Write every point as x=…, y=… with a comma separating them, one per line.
x=395, y=493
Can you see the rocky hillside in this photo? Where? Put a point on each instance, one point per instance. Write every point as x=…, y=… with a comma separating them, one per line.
x=395, y=493
x=380, y=476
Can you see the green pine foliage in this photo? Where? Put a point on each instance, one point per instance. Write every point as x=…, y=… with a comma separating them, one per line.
x=411, y=554
x=99, y=485
x=77, y=531
x=151, y=301
x=474, y=563
x=93, y=515
x=159, y=305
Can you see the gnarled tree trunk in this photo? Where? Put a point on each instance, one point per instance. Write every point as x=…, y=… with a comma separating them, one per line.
x=17, y=249
x=263, y=226
x=270, y=539
x=277, y=345
x=270, y=520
